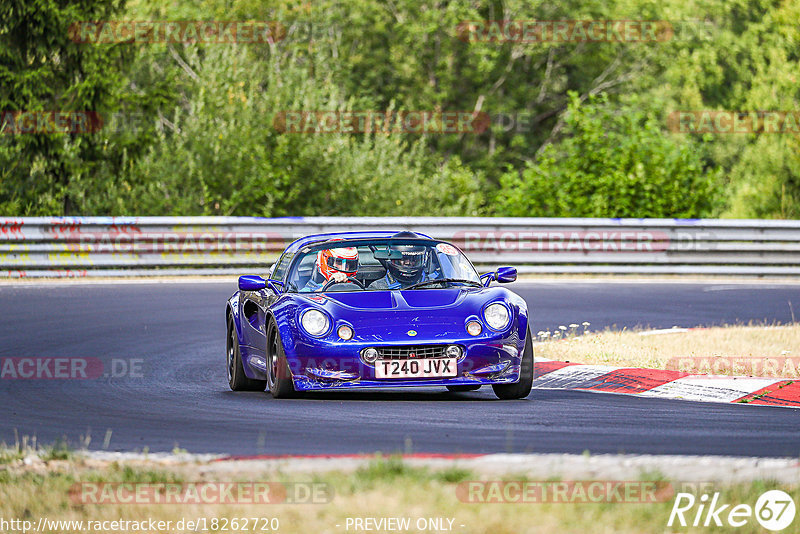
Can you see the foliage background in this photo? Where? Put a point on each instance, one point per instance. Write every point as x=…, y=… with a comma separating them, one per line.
x=194, y=133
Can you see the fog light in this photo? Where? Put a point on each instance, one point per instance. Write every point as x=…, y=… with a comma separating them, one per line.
x=453, y=351
x=369, y=355
x=345, y=332
x=474, y=328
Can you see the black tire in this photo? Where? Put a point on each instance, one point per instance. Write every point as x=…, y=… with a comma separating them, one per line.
x=464, y=387
x=237, y=380
x=279, y=378
x=522, y=388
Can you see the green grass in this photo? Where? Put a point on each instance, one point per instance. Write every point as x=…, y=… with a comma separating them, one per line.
x=387, y=486
x=8, y=455
x=28, y=446
x=391, y=469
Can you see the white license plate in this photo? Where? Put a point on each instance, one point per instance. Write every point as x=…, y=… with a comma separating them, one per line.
x=424, y=368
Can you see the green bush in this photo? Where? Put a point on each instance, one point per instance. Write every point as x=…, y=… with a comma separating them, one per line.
x=204, y=143
x=222, y=155
x=611, y=163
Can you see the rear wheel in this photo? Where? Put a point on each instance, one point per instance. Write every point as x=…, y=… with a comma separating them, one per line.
x=279, y=378
x=237, y=380
x=465, y=387
x=522, y=388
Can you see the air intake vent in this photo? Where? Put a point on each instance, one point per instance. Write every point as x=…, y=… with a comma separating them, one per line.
x=411, y=352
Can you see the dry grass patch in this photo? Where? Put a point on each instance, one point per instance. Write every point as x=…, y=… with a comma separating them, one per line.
x=384, y=488
x=780, y=344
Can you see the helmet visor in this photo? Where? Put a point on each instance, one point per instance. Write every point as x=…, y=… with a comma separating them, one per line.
x=345, y=265
x=412, y=259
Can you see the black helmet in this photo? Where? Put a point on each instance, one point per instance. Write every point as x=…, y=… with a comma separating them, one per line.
x=407, y=266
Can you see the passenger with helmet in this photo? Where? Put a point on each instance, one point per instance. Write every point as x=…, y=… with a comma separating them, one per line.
x=404, y=268
x=337, y=264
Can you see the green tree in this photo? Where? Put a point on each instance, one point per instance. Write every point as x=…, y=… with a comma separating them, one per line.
x=217, y=150
x=611, y=163
x=204, y=142
x=42, y=69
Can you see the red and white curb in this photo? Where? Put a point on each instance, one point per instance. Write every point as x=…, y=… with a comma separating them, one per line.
x=666, y=384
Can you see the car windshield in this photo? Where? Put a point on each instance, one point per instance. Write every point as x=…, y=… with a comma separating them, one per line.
x=379, y=265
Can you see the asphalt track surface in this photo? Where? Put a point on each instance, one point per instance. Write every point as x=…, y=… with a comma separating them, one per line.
x=182, y=398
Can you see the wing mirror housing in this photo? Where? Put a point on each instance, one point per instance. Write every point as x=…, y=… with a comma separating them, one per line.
x=504, y=275
x=251, y=282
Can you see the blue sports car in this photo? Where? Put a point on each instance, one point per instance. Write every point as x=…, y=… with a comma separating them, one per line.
x=377, y=310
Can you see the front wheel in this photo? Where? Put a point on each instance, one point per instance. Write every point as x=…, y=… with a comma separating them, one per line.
x=279, y=378
x=522, y=388
x=237, y=380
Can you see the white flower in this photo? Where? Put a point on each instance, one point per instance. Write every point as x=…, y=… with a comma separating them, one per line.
x=573, y=325
x=586, y=323
x=562, y=327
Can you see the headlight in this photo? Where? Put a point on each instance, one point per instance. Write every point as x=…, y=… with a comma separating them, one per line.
x=496, y=316
x=314, y=322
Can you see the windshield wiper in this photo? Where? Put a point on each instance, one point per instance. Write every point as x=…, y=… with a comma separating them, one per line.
x=443, y=281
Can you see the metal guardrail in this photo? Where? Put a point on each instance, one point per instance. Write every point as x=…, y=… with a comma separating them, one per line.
x=135, y=246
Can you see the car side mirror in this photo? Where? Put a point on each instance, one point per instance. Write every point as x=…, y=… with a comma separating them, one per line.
x=251, y=282
x=505, y=275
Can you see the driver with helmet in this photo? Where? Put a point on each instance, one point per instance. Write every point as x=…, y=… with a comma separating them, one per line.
x=336, y=264
x=405, y=267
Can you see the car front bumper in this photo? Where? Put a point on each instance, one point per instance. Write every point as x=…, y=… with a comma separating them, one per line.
x=487, y=360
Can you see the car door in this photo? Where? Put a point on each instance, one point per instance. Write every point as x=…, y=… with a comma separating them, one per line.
x=254, y=306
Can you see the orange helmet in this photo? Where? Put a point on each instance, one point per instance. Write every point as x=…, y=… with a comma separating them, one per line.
x=337, y=259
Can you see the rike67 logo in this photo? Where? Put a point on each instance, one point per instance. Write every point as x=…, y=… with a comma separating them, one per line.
x=774, y=510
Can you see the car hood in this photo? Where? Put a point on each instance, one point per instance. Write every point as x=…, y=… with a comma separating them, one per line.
x=392, y=300
x=432, y=314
